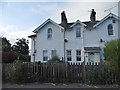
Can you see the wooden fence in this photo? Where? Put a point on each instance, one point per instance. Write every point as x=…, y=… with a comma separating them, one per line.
x=60, y=73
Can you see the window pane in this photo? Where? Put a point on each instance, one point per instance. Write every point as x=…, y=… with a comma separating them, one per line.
x=78, y=52
x=53, y=53
x=45, y=57
x=69, y=57
x=49, y=30
x=49, y=36
x=78, y=58
x=78, y=32
x=110, y=29
x=78, y=55
x=49, y=33
x=44, y=52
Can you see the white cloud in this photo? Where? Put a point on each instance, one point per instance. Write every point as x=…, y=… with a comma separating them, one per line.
x=74, y=11
x=12, y=32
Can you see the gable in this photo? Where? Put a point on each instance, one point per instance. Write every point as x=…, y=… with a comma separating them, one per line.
x=76, y=23
x=109, y=16
x=45, y=23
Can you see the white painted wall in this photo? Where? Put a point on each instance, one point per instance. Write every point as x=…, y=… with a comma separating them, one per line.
x=103, y=32
x=92, y=38
x=56, y=43
x=33, y=39
x=74, y=42
x=88, y=39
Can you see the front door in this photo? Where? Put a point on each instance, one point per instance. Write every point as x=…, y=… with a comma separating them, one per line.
x=91, y=57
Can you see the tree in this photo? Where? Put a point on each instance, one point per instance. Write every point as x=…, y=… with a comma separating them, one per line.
x=21, y=46
x=5, y=45
x=112, y=53
x=8, y=56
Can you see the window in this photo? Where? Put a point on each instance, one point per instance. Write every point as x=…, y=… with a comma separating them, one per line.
x=45, y=57
x=69, y=58
x=49, y=33
x=53, y=53
x=78, y=55
x=78, y=32
x=110, y=29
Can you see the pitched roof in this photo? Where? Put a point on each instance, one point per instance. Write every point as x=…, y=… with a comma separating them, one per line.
x=90, y=24
x=47, y=21
x=111, y=15
x=78, y=21
x=87, y=24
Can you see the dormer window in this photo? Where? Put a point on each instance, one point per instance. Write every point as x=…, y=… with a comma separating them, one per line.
x=49, y=33
x=78, y=32
x=110, y=29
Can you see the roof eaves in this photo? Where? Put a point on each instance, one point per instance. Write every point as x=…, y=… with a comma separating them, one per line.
x=48, y=20
x=78, y=21
x=34, y=35
x=109, y=15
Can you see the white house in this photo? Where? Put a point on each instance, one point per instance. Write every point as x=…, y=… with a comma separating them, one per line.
x=74, y=42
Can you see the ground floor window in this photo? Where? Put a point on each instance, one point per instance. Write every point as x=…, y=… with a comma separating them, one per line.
x=45, y=56
x=78, y=55
x=53, y=53
x=69, y=57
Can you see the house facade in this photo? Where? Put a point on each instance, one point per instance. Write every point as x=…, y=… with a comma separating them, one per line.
x=74, y=42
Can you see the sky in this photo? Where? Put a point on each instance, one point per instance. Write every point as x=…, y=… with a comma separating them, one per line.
x=19, y=18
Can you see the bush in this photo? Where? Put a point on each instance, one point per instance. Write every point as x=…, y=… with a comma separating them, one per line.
x=23, y=58
x=12, y=72
x=8, y=57
x=11, y=56
x=54, y=59
x=111, y=54
x=18, y=72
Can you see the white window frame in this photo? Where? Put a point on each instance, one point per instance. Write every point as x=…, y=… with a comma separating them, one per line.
x=53, y=53
x=78, y=32
x=45, y=56
x=78, y=55
x=69, y=55
x=49, y=33
x=110, y=30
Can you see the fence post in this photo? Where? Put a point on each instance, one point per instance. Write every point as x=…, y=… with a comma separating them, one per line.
x=83, y=70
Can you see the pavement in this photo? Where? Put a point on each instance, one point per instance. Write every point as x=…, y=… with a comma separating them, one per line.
x=53, y=85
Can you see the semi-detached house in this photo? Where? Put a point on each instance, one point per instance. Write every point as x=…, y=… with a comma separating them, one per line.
x=74, y=42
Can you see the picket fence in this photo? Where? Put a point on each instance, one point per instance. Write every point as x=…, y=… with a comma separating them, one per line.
x=64, y=73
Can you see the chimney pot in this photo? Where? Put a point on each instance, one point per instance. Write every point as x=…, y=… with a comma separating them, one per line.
x=63, y=19
x=93, y=16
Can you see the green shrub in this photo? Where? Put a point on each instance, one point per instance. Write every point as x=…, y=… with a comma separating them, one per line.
x=54, y=59
x=12, y=72
x=18, y=72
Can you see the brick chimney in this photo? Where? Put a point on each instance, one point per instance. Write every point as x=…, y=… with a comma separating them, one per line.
x=93, y=16
x=63, y=19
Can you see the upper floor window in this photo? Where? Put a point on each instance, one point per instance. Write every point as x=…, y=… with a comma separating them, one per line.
x=110, y=29
x=69, y=57
x=49, y=33
x=45, y=57
x=78, y=32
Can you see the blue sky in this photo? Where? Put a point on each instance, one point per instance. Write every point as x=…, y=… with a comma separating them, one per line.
x=19, y=19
